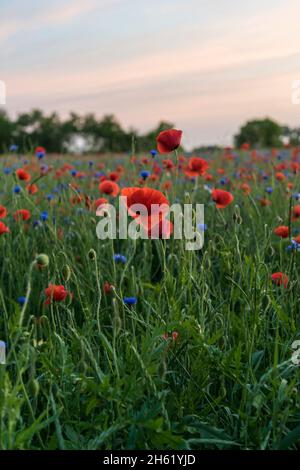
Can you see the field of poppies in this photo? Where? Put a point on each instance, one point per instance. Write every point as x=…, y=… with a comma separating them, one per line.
x=142, y=344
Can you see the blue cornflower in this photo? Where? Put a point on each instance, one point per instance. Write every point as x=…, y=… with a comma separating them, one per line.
x=50, y=197
x=13, y=148
x=73, y=172
x=293, y=246
x=17, y=189
x=223, y=181
x=130, y=300
x=21, y=300
x=7, y=171
x=120, y=258
x=153, y=152
x=44, y=216
x=144, y=174
x=269, y=189
x=91, y=163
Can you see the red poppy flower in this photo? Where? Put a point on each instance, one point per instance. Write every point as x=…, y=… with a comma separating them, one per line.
x=100, y=202
x=107, y=287
x=296, y=212
x=109, y=187
x=3, y=212
x=162, y=229
x=40, y=150
x=32, y=188
x=297, y=239
x=282, y=231
x=280, y=279
x=3, y=228
x=148, y=206
x=168, y=164
x=221, y=198
x=58, y=293
x=23, y=175
x=169, y=140
x=114, y=176
x=22, y=214
x=264, y=202
x=196, y=167
x=245, y=146
x=279, y=176
x=246, y=189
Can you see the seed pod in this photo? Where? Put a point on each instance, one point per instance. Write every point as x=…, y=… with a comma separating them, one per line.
x=92, y=254
x=42, y=260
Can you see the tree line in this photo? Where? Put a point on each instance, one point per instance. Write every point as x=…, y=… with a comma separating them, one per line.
x=106, y=134
x=59, y=135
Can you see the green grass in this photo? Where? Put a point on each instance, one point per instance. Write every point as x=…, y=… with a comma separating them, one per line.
x=92, y=373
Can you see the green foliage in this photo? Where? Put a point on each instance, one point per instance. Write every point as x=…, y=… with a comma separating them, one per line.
x=106, y=135
x=262, y=133
x=92, y=373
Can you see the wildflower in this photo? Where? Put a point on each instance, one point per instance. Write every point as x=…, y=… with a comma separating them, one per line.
x=21, y=300
x=13, y=148
x=155, y=203
x=58, y=293
x=144, y=174
x=294, y=246
x=279, y=176
x=120, y=258
x=130, y=300
x=269, y=190
x=296, y=212
x=3, y=228
x=23, y=175
x=32, y=188
x=264, y=202
x=44, y=216
x=196, y=167
x=168, y=140
x=109, y=187
x=114, y=176
x=245, y=146
x=108, y=288
x=3, y=212
x=40, y=152
x=280, y=279
x=221, y=198
x=16, y=189
x=282, y=231
x=153, y=153
x=22, y=214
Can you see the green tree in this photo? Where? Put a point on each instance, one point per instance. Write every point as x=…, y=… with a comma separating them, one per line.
x=260, y=133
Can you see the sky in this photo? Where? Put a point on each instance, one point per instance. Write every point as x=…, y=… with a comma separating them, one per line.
x=205, y=65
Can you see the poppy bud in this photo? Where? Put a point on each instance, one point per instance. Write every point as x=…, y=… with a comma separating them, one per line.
x=92, y=254
x=42, y=260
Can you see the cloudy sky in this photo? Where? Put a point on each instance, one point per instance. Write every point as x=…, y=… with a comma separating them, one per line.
x=206, y=65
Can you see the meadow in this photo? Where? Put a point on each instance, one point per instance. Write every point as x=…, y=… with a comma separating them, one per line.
x=141, y=344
